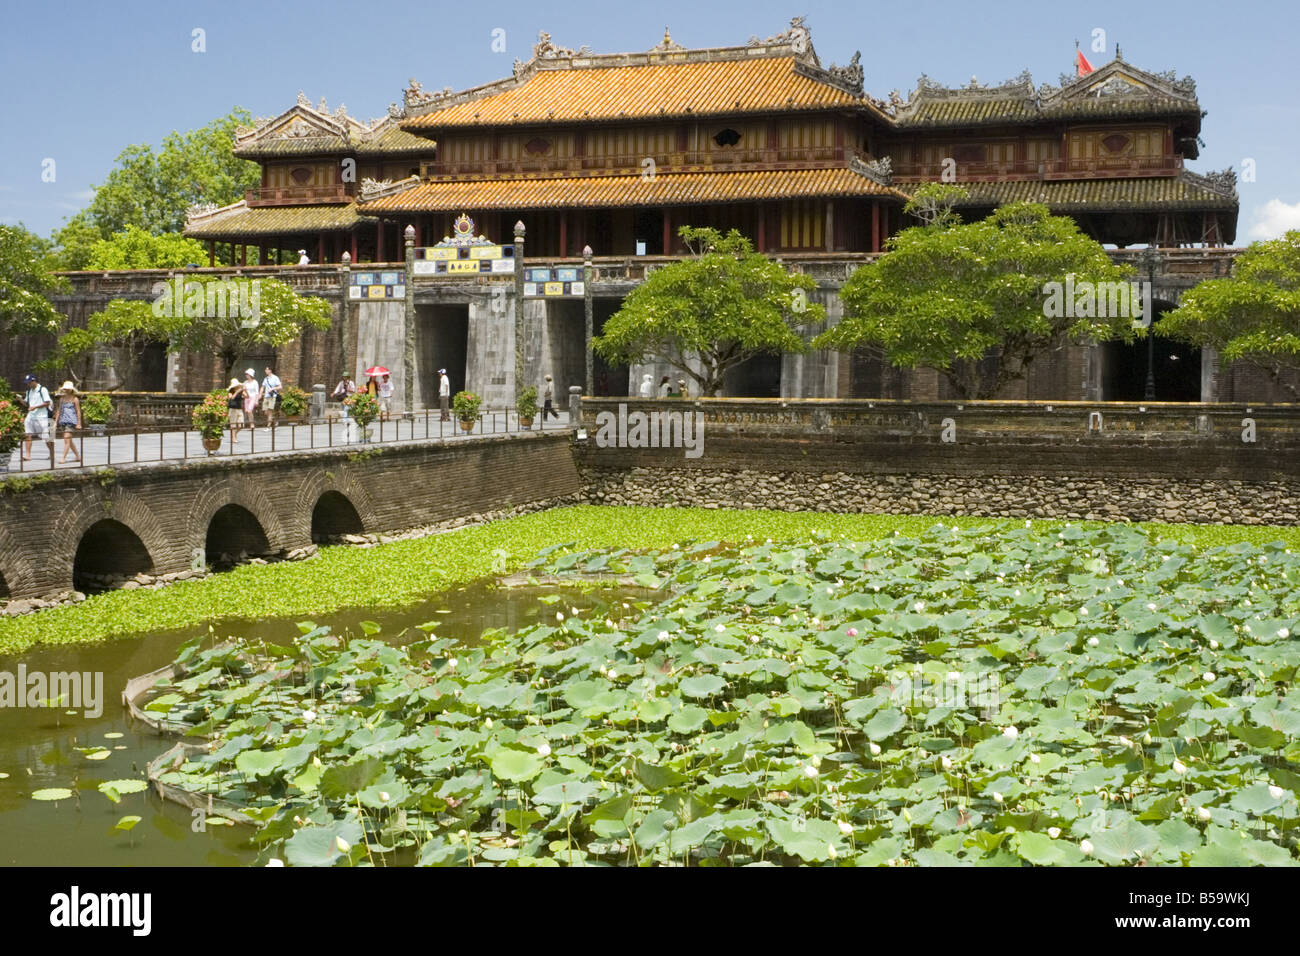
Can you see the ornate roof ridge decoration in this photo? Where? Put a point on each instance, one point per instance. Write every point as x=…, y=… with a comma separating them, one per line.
x=878, y=170
x=1223, y=182
x=372, y=189
x=795, y=42
x=1020, y=86
x=206, y=211
x=1105, y=81
x=301, y=121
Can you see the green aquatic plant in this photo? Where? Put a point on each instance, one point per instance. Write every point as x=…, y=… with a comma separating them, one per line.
x=1066, y=696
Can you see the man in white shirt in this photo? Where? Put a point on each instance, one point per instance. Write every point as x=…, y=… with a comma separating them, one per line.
x=385, y=396
x=647, y=386
x=37, y=423
x=444, y=393
x=271, y=388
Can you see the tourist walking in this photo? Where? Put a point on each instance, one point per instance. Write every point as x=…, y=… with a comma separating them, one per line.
x=69, y=419
x=343, y=389
x=385, y=396
x=250, y=399
x=235, y=407
x=444, y=394
x=37, y=423
x=272, y=389
x=665, y=387
x=647, y=386
x=681, y=388
x=302, y=258
x=548, y=397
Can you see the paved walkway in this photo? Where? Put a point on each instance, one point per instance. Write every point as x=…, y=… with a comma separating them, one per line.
x=155, y=446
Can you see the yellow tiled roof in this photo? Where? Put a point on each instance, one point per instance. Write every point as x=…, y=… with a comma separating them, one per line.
x=665, y=189
x=1168, y=192
x=651, y=91
x=275, y=221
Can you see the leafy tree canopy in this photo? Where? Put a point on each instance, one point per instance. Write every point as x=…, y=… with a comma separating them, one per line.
x=153, y=190
x=1252, y=315
x=973, y=301
x=210, y=314
x=134, y=248
x=26, y=283
x=725, y=304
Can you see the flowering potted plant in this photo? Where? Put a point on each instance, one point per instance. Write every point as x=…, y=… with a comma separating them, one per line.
x=526, y=406
x=293, y=401
x=466, y=405
x=363, y=409
x=11, y=428
x=210, y=418
x=96, y=409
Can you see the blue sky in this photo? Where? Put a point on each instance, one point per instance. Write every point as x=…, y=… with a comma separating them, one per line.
x=84, y=80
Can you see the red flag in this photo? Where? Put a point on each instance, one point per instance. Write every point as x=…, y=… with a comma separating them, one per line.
x=1084, y=67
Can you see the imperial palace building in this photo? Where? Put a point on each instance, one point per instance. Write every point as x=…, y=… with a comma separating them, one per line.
x=614, y=152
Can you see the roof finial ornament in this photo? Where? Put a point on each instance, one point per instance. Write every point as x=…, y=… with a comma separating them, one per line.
x=1117, y=53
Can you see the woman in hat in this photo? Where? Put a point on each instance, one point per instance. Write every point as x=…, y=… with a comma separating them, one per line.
x=69, y=418
x=235, y=407
x=251, y=394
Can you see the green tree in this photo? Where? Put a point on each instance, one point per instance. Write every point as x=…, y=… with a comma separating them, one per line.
x=1253, y=315
x=134, y=248
x=228, y=317
x=725, y=304
x=972, y=300
x=125, y=327
x=26, y=283
x=153, y=190
x=72, y=243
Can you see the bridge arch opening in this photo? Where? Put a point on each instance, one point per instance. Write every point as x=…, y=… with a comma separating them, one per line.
x=334, y=515
x=107, y=555
x=234, y=533
x=4, y=587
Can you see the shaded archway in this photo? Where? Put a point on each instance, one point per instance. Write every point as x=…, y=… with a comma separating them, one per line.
x=108, y=553
x=4, y=587
x=232, y=532
x=1176, y=368
x=334, y=515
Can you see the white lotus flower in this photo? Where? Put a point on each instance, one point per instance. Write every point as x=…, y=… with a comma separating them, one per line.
x=945, y=762
x=309, y=715
x=1010, y=732
x=845, y=827
x=1180, y=768
x=488, y=723
x=1085, y=847
x=874, y=748
x=1125, y=741
x=1276, y=792
x=1283, y=632
x=275, y=861
x=1083, y=612
x=342, y=844
x=1214, y=645
x=612, y=673
x=559, y=615
x=1203, y=814
x=663, y=635
x=544, y=750
x=997, y=797
x=1053, y=832
x=1151, y=607
x=1034, y=758
x=315, y=761
x=720, y=628
x=384, y=796
x=1093, y=642
x=810, y=771
x=1208, y=677
x=1146, y=737
x=919, y=606
x=830, y=850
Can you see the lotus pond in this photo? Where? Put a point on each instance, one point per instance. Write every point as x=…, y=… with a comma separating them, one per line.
x=951, y=697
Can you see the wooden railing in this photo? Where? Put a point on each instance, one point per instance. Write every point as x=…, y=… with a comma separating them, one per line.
x=800, y=157
x=1046, y=169
x=298, y=195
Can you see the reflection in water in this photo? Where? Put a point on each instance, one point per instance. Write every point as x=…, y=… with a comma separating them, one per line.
x=51, y=747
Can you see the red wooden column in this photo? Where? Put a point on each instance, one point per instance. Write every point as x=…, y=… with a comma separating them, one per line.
x=379, y=241
x=354, y=243
x=875, y=227
x=668, y=231
x=762, y=227
x=320, y=247
x=564, y=234
x=212, y=252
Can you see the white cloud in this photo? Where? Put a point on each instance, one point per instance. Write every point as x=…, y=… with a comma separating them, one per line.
x=1274, y=218
x=84, y=195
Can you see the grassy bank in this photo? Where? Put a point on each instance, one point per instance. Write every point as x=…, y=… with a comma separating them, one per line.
x=396, y=574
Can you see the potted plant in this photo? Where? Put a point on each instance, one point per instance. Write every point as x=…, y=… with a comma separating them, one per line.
x=526, y=406
x=11, y=428
x=466, y=405
x=363, y=409
x=293, y=401
x=210, y=418
x=96, y=410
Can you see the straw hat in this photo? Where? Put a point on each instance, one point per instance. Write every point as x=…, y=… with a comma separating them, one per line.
x=234, y=382
x=67, y=387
